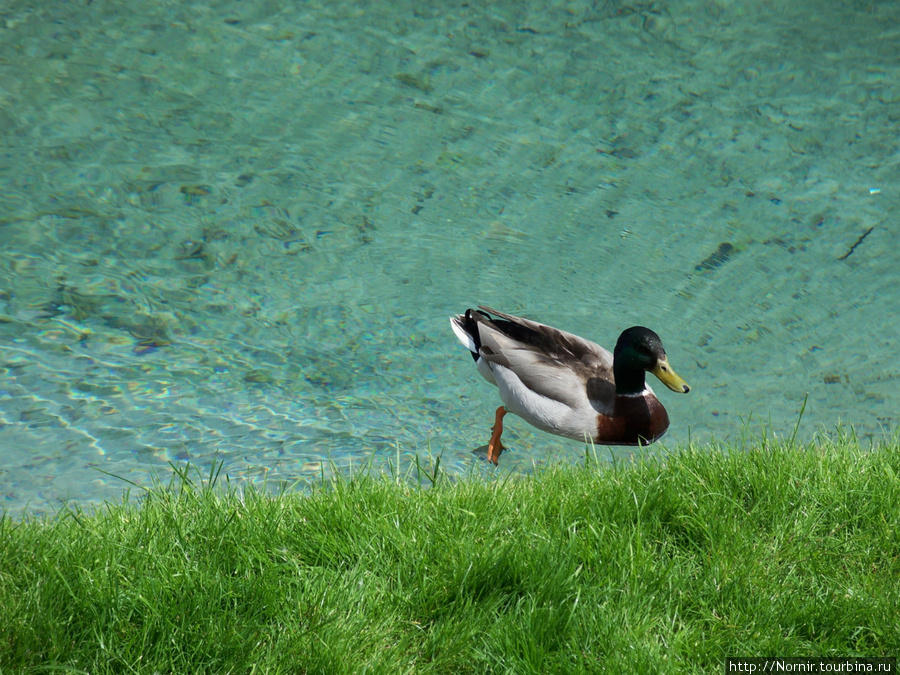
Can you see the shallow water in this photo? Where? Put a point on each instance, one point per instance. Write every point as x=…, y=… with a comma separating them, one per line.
x=236, y=230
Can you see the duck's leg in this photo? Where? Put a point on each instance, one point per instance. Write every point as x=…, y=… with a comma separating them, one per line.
x=495, y=447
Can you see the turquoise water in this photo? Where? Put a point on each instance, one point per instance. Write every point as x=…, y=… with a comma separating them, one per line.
x=236, y=230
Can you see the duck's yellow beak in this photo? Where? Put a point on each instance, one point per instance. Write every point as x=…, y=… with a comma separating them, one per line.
x=669, y=377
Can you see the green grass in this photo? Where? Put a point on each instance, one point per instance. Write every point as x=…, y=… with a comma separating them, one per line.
x=664, y=565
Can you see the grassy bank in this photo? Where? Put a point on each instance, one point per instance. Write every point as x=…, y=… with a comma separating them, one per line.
x=658, y=566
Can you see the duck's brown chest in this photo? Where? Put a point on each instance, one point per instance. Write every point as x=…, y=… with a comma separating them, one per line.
x=635, y=420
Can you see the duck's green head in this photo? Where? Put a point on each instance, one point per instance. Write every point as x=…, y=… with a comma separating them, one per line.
x=640, y=350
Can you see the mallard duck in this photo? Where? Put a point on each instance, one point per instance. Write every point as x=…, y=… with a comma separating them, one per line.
x=566, y=385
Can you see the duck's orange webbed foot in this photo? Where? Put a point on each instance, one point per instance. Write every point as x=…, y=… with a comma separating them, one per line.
x=495, y=447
